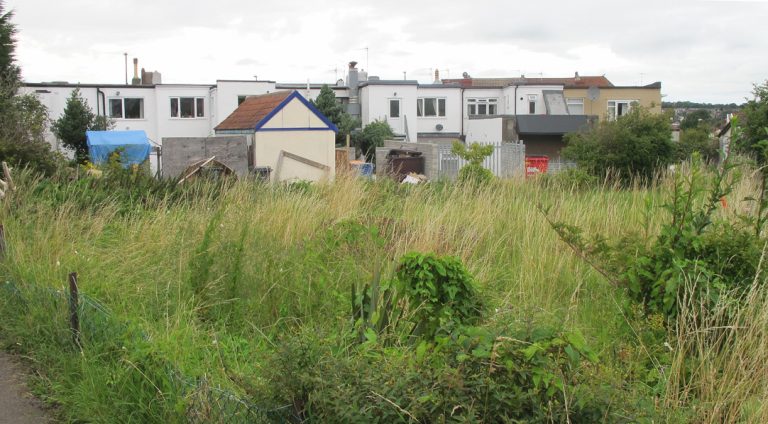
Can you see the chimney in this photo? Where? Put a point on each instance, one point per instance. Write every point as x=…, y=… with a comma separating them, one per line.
x=136, y=80
x=353, y=82
x=437, y=76
x=577, y=78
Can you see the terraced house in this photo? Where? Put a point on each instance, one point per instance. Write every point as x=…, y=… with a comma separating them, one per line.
x=537, y=111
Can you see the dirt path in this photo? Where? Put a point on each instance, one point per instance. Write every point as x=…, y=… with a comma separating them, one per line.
x=17, y=405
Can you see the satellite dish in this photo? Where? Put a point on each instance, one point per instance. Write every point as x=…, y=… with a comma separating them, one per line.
x=439, y=127
x=593, y=93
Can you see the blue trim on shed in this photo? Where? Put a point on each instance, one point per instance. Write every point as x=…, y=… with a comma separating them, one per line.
x=294, y=95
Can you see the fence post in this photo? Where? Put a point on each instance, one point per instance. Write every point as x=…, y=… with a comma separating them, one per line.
x=74, y=319
x=2, y=241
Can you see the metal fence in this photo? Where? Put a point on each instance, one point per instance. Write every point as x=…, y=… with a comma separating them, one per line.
x=507, y=160
x=559, y=164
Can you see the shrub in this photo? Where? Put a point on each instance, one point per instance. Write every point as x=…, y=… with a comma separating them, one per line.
x=635, y=145
x=441, y=291
x=474, y=172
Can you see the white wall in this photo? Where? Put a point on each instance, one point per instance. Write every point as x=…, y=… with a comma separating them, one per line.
x=182, y=127
x=484, y=131
x=375, y=106
x=451, y=122
x=524, y=90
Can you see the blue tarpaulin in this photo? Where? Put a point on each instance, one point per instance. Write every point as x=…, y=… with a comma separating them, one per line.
x=134, y=144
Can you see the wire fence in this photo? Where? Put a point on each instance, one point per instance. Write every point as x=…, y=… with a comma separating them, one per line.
x=205, y=402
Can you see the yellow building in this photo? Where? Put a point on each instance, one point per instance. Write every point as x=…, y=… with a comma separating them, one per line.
x=611, y=101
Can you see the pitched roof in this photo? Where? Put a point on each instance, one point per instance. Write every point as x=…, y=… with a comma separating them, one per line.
x=252, y=111
x=572, y=82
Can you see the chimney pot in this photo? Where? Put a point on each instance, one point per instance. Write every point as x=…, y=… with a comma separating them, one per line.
x=437, y=76
x=352, y=64
x=577, y=77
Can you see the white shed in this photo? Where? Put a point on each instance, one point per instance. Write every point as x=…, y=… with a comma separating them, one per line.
x=289, y=135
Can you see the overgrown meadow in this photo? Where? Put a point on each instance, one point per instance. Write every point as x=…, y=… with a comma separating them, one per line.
x=363, y=301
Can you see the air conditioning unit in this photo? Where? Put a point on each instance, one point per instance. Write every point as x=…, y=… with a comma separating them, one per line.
x=439, y=127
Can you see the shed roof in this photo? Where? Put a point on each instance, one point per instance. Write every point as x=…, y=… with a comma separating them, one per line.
x=256, y=111
x=252, y=111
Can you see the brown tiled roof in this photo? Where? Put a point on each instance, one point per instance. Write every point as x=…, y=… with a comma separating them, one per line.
x=585, y=82
x=252, y=111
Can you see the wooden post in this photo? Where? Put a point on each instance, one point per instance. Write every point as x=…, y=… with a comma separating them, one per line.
x=7, y=175
x=74, y=319
x=2, y=241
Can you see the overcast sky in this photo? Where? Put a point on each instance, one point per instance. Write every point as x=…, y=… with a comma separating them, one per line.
x=709, y=51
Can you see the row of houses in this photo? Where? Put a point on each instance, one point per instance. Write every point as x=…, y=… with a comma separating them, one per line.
x=537, y=111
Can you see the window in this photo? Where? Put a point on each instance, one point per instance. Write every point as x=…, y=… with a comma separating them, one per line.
x=430, y=106
x=188, y=107
x=394, y=108
x=575, y=106
x=478, y=106
x=532, y=103
x=126, y=108
x=618, y=108
x=240, y=100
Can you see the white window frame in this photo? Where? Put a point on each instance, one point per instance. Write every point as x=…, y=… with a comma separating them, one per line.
x=613, y=108
x=421, y=107
x=575, y=101
x=474, y=105
x=195, y=113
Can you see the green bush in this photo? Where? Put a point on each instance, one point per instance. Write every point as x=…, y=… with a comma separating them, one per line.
x=474, y=172
x=441, y=292
x=636, y=145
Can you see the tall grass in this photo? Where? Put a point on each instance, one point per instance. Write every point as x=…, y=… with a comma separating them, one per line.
x=212, y=276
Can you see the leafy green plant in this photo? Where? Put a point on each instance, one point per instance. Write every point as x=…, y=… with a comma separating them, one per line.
x=441, y=292
x=473, y=172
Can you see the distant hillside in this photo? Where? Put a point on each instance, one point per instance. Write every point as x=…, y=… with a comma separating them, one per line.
x=694, y=105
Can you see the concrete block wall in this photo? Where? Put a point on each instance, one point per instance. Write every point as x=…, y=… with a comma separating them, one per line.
x=429, y=151
x=179, y=152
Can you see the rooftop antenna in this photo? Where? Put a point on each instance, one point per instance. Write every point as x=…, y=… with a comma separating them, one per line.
x=641, y=78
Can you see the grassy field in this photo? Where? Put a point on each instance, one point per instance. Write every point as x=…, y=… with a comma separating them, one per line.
x=196, y=299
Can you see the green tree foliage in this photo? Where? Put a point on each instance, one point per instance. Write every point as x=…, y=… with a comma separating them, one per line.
x=635, y=145
x=23, y=121
x=755, y=124
x=78, y=118
x=695, y=119
x=326, y=103
x=475, y=154
x=697, y=139
x=9, y=72
x=371, y=137
x=22, y=117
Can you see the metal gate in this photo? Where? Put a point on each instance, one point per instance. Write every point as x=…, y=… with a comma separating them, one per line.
x=507, y=160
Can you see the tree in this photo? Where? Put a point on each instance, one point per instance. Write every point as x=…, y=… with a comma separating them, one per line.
x=697, y=139
x=754, y=124
x=23, y=118
x=696, y=118
x=326, y=103
x=9, y=72
x=78, y=118
x=634, y=145
x=371, y=137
